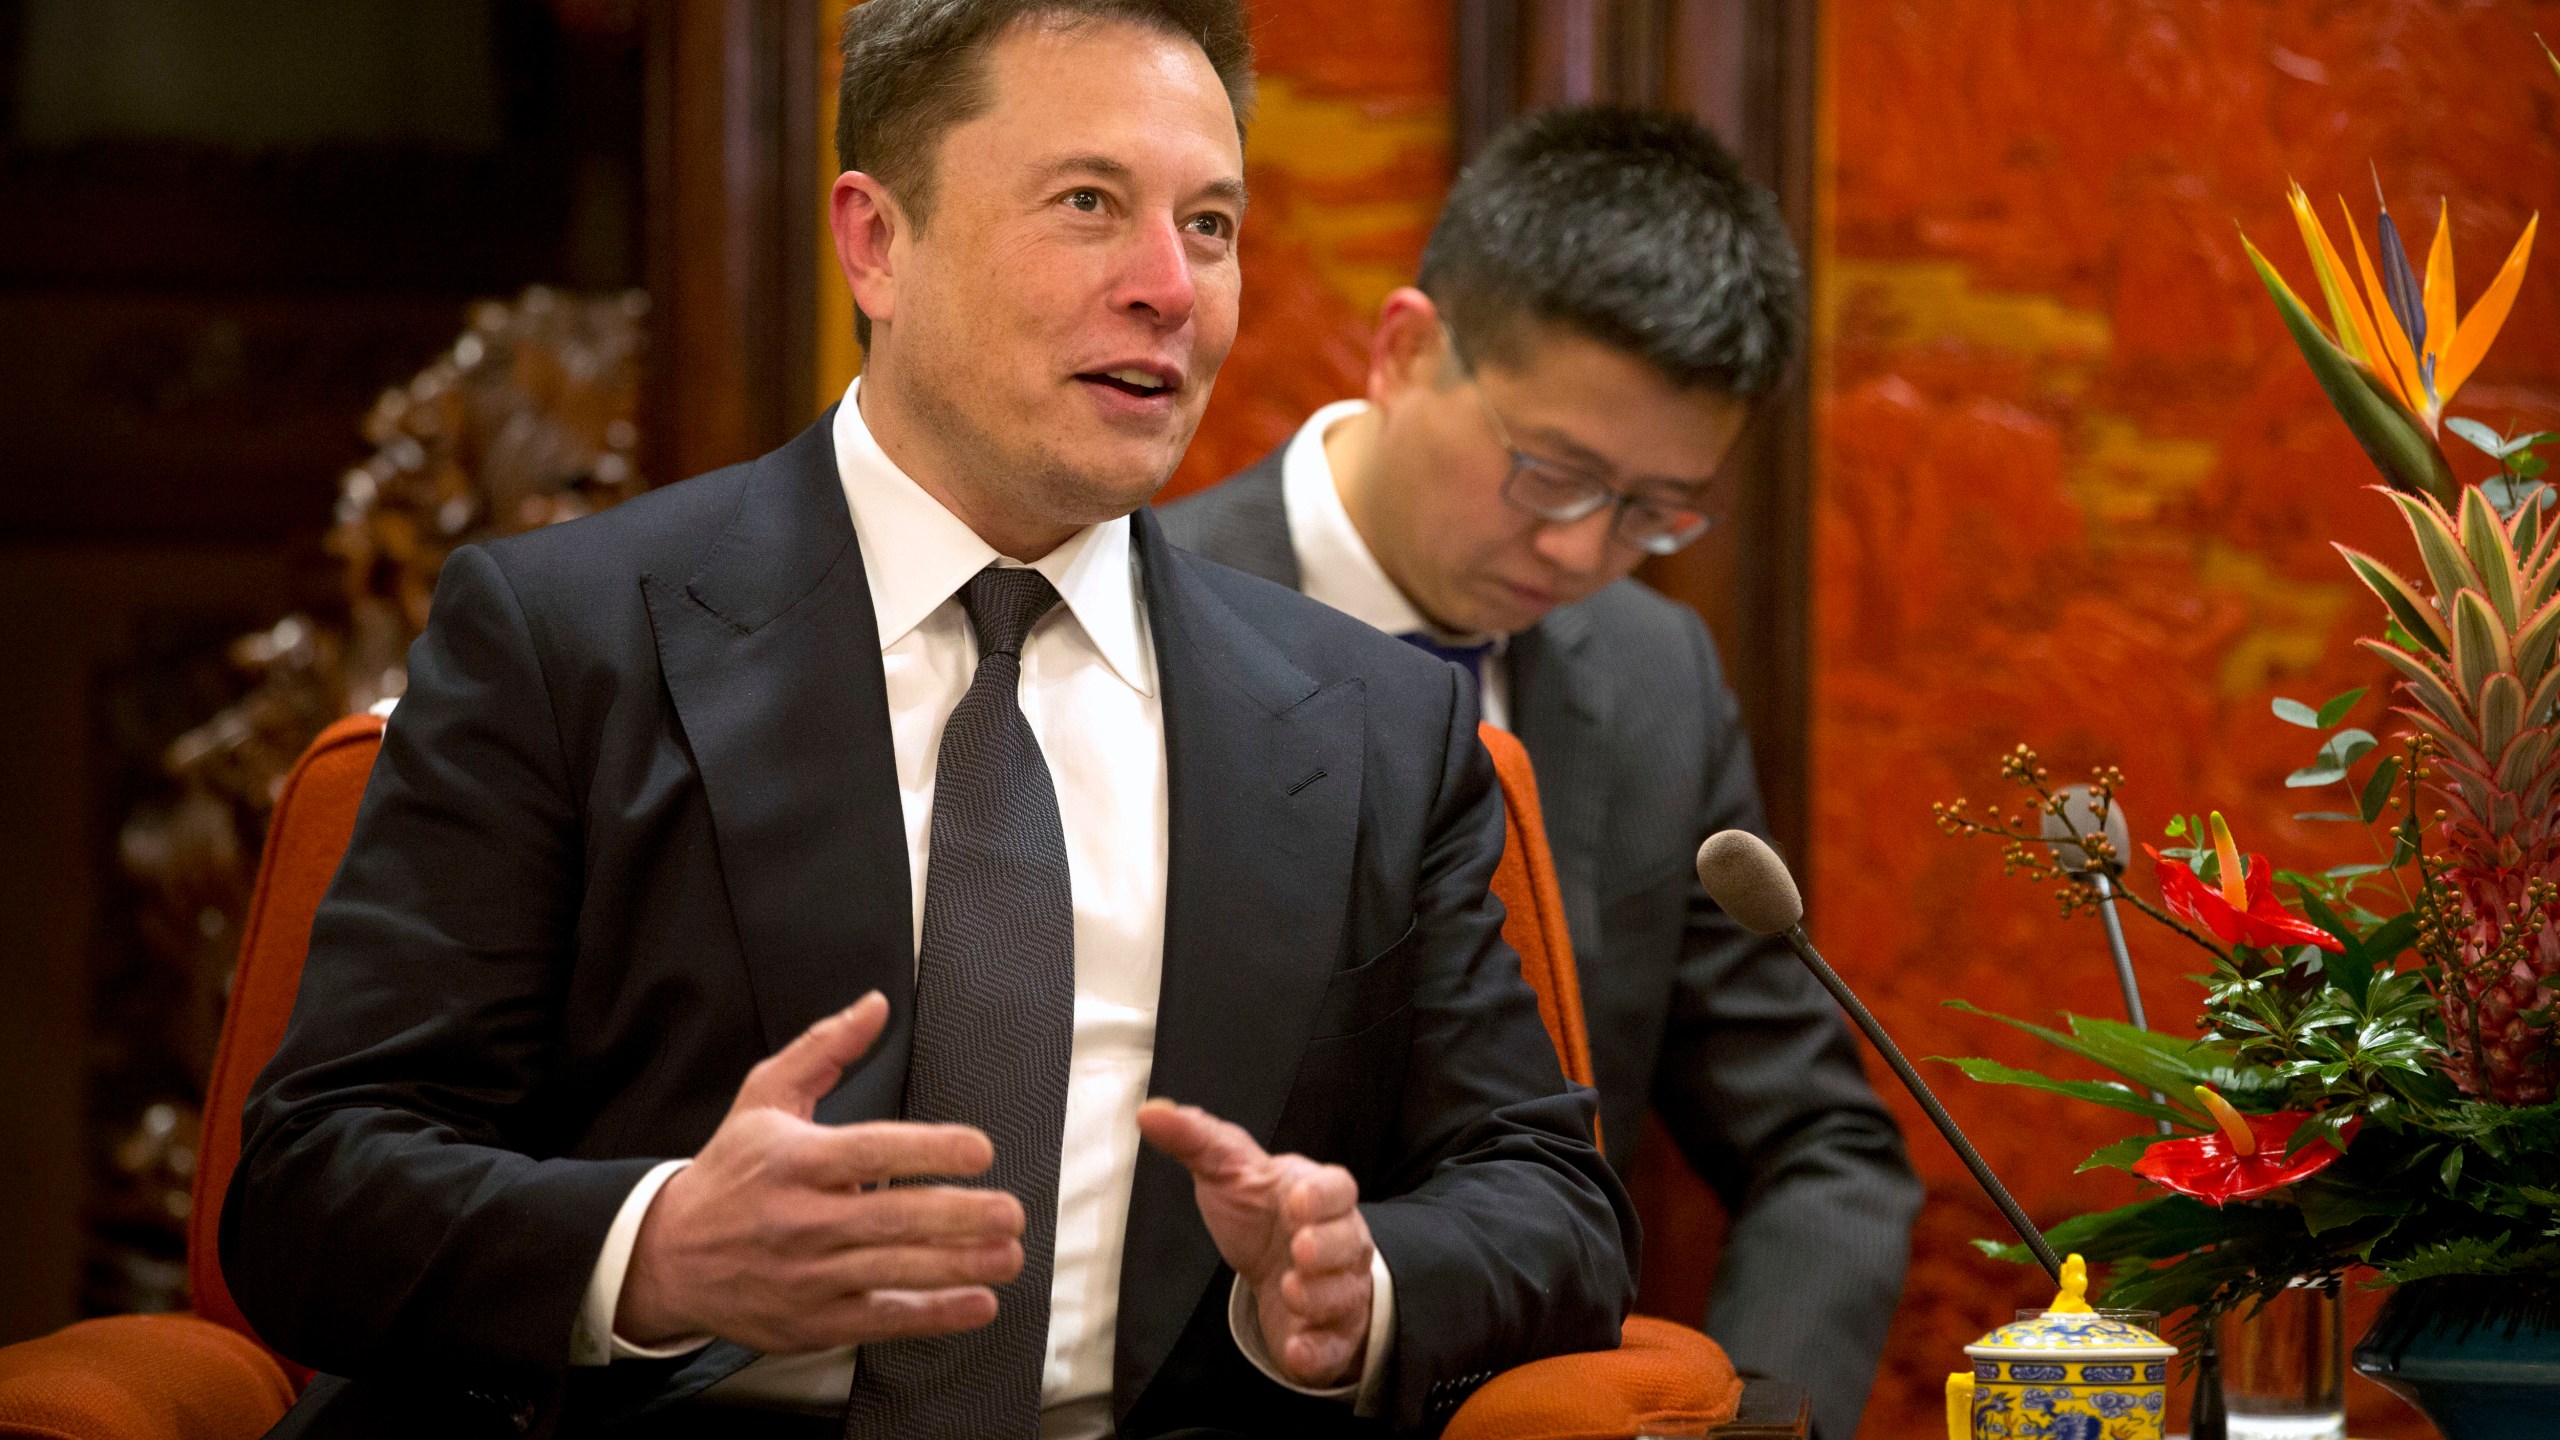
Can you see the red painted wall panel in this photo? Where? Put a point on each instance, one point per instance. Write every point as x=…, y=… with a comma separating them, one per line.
x=1347, y=159
x=2076, y=488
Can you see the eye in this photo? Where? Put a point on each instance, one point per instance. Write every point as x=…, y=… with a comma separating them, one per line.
x=1212, y=225
x=1088, y=200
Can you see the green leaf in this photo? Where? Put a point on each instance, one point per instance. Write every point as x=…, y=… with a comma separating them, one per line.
x=2313, y=776
x=2531, y=466
x=2177, y=826
x=2451, y=1171
x=2347, y=747
x=2482, y=438
x=2350, y=872
x=2096, y=1092
x=2328, y=815
x=2329, y=1203
x=2377, y=788
x=2294, y=712
x=2338, y=706
x=2122, y=1154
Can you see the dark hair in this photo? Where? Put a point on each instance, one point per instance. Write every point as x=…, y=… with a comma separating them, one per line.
x=1633, y=227
x=914, y=68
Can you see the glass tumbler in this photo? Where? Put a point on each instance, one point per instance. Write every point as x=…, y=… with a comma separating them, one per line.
x=2284, y=1366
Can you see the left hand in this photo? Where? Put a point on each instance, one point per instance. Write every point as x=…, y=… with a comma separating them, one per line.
x=1291, y=1227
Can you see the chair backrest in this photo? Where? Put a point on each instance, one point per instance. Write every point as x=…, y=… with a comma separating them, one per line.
x=314, y=816
x=1525, y=882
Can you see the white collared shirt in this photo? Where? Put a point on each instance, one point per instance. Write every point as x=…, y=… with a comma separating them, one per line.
x=1088, y=690
x=1336, y=566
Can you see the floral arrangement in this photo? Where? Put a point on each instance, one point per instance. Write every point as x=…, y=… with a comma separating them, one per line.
x=2372, y=1088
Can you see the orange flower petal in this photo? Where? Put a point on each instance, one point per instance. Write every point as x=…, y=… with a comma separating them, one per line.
x=2441, y=329
x=2400, y=365
x=2488, y=313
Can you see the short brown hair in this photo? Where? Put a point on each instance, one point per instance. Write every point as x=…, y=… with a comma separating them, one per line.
x=913, y=69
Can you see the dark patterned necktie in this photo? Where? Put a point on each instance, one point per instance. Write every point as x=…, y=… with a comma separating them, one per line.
x=1470, y=656
x=995, y=1026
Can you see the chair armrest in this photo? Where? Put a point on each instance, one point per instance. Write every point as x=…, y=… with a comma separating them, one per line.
x=141, y=1377
x=1662, y=1378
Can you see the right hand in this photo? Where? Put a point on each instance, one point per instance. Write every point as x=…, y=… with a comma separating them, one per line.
x=780, y=1235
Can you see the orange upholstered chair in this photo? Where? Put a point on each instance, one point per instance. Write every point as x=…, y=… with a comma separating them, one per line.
x=1663, y=1378
x=205, y=1376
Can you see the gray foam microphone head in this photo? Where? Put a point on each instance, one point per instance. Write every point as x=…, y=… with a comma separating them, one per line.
x=2083, y=814
x=1747, y=878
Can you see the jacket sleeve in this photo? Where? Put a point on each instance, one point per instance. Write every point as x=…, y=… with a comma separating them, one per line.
x=1509, y=1237
x=1759, y=1083
x=393, y=1215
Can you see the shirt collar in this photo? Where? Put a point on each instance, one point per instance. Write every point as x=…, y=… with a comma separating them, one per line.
x=1335, y=565
x=916, y=555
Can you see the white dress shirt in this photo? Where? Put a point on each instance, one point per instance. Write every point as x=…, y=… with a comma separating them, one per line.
x=1088, y=690
x=1336, y=566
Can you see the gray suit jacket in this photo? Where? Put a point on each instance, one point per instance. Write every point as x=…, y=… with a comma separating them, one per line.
x=1640, y=754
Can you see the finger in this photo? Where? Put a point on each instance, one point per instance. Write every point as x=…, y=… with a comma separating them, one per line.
x=927, y=1215
x=1335, y=1245
x=843, y=1156
x=797, y=1076
x=1325, y=1300
x=894, y=1315
x=1208, y=1147
x=1317, y=1357
x=922, y=1267
x=1321, y=1193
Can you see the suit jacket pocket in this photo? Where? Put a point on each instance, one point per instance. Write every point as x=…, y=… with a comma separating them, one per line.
x=1371, y=993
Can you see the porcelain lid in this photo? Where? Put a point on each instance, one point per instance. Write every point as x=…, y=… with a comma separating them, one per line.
x=2072, y=1326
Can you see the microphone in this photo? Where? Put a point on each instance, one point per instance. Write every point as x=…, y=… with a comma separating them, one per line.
x=2080, y=815
x=1744, y=876
x=2099, y=873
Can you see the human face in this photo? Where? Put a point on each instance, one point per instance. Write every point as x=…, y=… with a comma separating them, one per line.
x=1431, y=503
x=1042, y=349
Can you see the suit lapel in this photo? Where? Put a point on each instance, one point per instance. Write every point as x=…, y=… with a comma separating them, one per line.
x=772, y=658
x=1263, y=773
x=1560, y=711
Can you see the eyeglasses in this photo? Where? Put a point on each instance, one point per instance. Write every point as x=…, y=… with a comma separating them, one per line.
x=1560, y=494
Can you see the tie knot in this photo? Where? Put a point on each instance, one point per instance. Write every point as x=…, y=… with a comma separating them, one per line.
x=1003, y=605
x=1471, y=656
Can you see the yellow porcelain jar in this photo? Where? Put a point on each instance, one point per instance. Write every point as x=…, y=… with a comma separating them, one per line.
x=2068, y=1374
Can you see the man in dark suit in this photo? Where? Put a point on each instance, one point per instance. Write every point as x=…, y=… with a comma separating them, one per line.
x=778, y=897
x=1603, y=297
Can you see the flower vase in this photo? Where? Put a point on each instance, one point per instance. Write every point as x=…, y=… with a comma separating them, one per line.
x=2479, y=1356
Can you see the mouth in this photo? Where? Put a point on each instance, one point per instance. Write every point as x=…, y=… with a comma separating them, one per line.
x=1140, y=382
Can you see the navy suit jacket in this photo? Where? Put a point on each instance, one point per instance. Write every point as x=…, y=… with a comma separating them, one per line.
x=635, y=825
x=1640, y=754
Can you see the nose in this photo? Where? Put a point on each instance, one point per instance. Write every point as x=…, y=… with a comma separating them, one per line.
x=1579, y=547
x=1155, y=282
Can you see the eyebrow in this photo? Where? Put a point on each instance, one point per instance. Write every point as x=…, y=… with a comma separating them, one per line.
x=1229, y=188
x=1638, y=485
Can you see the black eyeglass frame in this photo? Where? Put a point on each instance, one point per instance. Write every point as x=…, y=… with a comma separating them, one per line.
x=1594, y=492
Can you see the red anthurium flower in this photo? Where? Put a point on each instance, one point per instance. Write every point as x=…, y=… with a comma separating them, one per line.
x=2265, y=923
x=2241, y=1161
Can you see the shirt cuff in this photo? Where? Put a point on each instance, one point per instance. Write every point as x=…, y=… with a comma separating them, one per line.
x=591, y=1337
x=1366, y=1393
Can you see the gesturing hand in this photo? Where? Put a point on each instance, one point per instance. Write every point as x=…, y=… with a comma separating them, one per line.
x=777, y=1237
x=1291, y=1227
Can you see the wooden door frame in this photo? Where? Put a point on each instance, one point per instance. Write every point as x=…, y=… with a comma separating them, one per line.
x=732, y=116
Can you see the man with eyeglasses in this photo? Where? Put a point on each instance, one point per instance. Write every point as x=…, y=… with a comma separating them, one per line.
x=1604, y=298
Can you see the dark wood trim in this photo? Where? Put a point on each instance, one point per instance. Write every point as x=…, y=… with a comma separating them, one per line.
x=732, y=131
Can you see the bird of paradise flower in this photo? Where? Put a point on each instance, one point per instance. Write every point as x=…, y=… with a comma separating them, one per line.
x=2394, y=355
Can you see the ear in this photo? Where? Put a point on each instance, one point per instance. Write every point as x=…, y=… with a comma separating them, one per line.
x=867, y=223
x=1408, y=348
